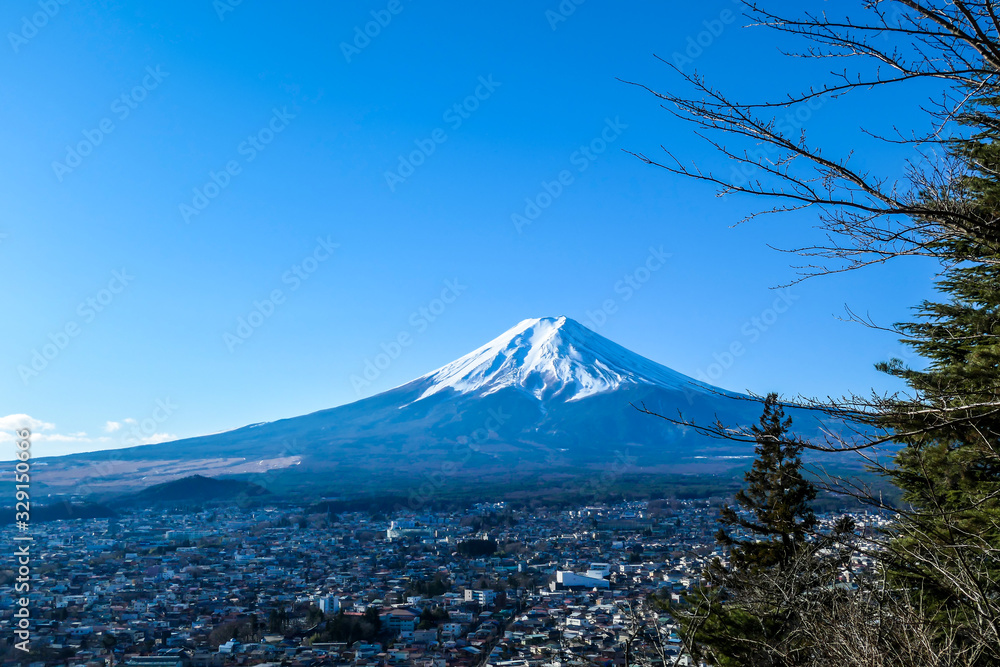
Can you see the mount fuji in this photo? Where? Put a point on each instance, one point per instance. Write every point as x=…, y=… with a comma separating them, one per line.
x=547, y=397
x=551, y=359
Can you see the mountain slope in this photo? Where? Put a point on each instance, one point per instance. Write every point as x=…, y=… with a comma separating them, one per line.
x=548, y=396
x=551, y=358
x=196, y=488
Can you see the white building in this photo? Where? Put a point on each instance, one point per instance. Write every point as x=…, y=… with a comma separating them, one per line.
x=329, y=604
x=592, y=579
x=484, y=597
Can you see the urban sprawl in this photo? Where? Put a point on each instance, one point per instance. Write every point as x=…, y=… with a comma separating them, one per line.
x=490, y=585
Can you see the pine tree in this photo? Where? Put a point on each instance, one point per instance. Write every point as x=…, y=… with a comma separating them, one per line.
x=776, y=499
x=748, y=612
x=947, y=539
x=942, y=556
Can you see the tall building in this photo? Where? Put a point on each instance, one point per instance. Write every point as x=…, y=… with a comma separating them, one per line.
x=329, y=604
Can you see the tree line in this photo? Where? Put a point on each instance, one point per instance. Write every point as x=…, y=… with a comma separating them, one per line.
x=790, y=592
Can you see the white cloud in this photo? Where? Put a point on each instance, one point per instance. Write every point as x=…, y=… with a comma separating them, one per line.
x=13, y=422
x=47, y=441
x=80, y=437
x=158, y=438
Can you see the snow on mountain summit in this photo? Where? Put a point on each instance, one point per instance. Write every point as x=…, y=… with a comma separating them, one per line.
x=551, y=357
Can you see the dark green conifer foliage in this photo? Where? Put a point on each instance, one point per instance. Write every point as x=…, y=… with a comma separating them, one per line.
x=748, y=612
x=947, y=546
x=774, y=506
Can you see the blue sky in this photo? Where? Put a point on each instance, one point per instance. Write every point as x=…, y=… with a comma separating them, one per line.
x=173, y=169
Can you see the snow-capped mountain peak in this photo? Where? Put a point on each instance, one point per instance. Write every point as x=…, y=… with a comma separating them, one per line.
x=550, y=357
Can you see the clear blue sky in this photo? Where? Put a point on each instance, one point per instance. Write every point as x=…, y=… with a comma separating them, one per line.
x=300, y=133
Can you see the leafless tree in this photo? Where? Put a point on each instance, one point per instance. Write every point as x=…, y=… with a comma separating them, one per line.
x=646, y=640
x=863, y=219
